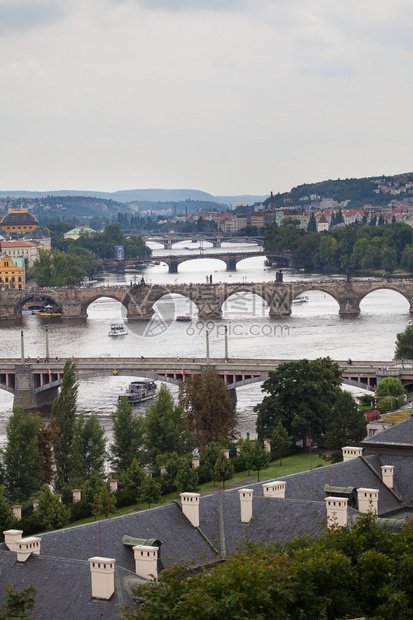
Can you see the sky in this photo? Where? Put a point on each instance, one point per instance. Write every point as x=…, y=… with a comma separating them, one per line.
x=225, y=96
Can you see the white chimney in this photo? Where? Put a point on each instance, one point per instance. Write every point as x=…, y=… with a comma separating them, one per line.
x=274, y=489
x=162, y=470
x=350, y=453
x=17, y=512
x=267, y=445
x=77, y=495
x=190, y=507
x=102, y=571
x=238, y=448
x=387, y=473
x=195, y=462
x=11, y=537
x=26, y=546
x=146, y=561
x=113, y=486
x=368, y=500
x=60, y=497
x=245, y=496
x=336, y=511
x=35, y=504
x=226, y=453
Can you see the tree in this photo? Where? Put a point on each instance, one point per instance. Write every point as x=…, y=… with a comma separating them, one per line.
x=223, y=469
x=151, y=491
x=390, y=386
x=103, y=503
x=53, y=514
x=128, y=437
x=166, y=427
x=6, y=512
x=89, y=446
x=132, y=480
x=21, y=456
x=347, y=425
x=246, y=454
x=18, y=603
x=64, y=415
x=186, y=478
x=404, y=344
x=47, y=437
x=312, y=223
x=208, y=407
x=261, y=458
x=280, y=442
x=54, y=268
x=301, y=395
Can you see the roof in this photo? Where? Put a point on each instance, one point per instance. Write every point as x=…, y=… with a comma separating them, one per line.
x=17, y=244
x=18, y=217
x=79, y=231
x=400, y=434
x=17, y=261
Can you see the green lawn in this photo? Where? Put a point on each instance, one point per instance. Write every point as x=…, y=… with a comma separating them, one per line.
x=291, y=465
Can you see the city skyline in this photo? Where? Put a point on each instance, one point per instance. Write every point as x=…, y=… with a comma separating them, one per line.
x=228, y=97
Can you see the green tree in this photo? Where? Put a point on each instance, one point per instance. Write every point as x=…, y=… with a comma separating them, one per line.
x=53, y=268
x=64, y=415
x=6, y=512
x=390, y=386
x=347, y=425
x=223, y=469
x=89, y=447
x=47, y=437
x=246, y=454
x=52, y=513
x=300, y=396
x=312, y=223
x=209, y=408
x=261, y=458
x=404, y=344
x=104, y=503
x=166, y=427
x=128, y=437
x=18, y=603
x=186, y=479
x=21, y=456
x=132, y=480
x=151, y=491
x=281, y=442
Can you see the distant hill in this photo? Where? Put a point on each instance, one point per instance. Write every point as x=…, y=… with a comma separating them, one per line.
x=141, y=195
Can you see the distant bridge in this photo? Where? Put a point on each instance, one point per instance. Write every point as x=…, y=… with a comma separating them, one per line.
x=169, y=240
x=139, y=300
x=36, y=384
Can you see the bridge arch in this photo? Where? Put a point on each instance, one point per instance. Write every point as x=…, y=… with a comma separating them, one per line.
x=186, y=259
x=172, y=305
x=245, y=303
x=390, y=288
x=37, y=296
x=315, y=295
x=120, y=297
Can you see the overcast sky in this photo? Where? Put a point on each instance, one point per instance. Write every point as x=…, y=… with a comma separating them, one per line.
x=225, y=96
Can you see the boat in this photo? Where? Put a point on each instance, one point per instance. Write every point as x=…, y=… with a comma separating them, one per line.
x=117, y=329
x=301, y=299
x=183, y=319
x=138, y=391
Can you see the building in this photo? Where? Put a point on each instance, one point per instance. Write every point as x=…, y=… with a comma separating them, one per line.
x=76, y=232
x=18, y=222
x=17, y=248
x=322, y=223
x=12, y=273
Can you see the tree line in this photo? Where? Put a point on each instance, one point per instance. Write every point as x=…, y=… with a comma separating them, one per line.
x=349, y=248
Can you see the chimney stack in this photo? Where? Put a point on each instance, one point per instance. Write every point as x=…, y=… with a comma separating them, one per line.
x=267, y=445
x=113, y=486
x=35, y=504
x=245, y=496
x=195, y=462
x=77, y=495
x=350, y=453
x=17, y=512
x=226, y=453
x=11, y=537
x=336, y=511
x=190, y=507
x=368, y=500
x=146, y=561
x=387, y=473
x=26, y=546
x=102, y=572
x=274, y=489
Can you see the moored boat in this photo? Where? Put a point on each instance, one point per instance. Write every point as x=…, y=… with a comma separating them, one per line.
x=301, y=299
x=138, y=391
x=117, y=329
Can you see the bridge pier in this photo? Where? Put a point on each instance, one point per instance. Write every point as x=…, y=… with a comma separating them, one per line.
x=173, y=267
x=24, y=396
x=231, y=264
x=349, y=307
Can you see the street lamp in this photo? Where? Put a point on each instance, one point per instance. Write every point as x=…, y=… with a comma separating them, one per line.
x=226, y=343
x=208, y=361
x=22, y=346
x=47, y=342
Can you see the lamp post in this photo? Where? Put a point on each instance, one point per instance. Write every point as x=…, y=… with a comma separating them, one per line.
x=226, y=343
x=47, y=342
x=22, y=346
x=208, y=361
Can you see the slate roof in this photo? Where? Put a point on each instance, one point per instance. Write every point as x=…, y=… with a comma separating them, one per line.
x=16, y=217
x=400, y=434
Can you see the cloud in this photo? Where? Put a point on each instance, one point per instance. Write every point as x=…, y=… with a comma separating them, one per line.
x=24, y=15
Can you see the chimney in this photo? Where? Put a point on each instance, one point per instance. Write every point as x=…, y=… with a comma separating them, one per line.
x=336, y=511
x=17, y=512
x=146, y=561
x=113, y=486
x=60, y=497
x=26, y=546
x=368, y=500
x=238, y=448
x=267, y=445
x=35, y=504
x=195, y=462
x=103, y=577
x=387, y=473
x=245, y=496
x=11, y=537
x=226, y=453
x=274, y=489
x=77, y=495
x=350, y=453
x=162, y=470
x=190, y=507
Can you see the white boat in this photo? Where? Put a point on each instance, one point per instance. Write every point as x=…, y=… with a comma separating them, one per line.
x=301, y=299
x=117, y=329
x=138, y=391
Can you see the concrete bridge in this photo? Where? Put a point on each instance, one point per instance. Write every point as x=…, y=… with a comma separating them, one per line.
x=139, y=300
x=169, y=240
x=230, y=259
x=36, y=384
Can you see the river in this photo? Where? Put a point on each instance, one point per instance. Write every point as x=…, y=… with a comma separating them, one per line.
x=314, y=329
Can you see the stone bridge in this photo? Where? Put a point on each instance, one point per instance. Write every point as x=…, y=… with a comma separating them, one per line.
x=139, y=300
x=169, y=240
x=230, y=259
x=36, y=384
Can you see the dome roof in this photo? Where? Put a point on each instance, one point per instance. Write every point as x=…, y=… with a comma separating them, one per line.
x=17, y=217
